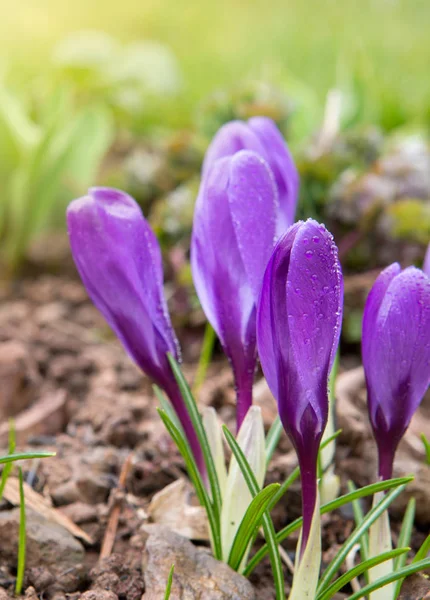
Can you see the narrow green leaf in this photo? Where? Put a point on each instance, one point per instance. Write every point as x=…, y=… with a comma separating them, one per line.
x=250, y=522
x=269, y=530
x=201, y=436
x=359, y=517
x=406, y=531
x=166, y=405
x=368, y=490
x=24, y=456
x=358, y=570
x=370, y=518
x=404, y=540
x=423, y=551
x=205, y=357
x=9, y=466
x=169, y=583
x=196, y=479
x=22, y=538
x=272, y=438
x=395, y=576
x=426, y=443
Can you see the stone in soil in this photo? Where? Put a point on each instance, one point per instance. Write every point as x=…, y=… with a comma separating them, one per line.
x=197, y=574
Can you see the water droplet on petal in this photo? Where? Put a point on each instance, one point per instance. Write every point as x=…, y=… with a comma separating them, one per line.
x=309, y=254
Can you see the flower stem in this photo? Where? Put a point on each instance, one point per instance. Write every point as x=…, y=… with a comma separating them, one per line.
x=308, y=476
x=244, y=385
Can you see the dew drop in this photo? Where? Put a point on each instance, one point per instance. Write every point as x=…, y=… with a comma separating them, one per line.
x=314, y=277
x=305, y=241
x=309, y=254
x=316, y=239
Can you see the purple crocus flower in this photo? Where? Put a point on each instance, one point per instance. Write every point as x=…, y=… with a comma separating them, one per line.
x=298, y=327
x=261, y=135
x=233, y=237
x=119, y=261
x=396, y=355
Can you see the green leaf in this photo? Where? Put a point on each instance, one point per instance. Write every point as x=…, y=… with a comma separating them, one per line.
x=193, y=472
x=22, y=537
x=169, y=583
x=269, y=530
x=426, y=443
x=404, y=540
x=358, y=517
x=272, y=438
x=167, y=406
x=196, y=420
x=24, y=456
x=423, y=551
x=370, y=518
x=205, y=357
x=250, y=522
x=368, y=490
x=9, y=466
x=358, y=570
x=383, y=581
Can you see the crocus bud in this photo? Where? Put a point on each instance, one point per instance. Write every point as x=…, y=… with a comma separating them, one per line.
x=396, y=355
x=233, y=236
x=298, y=328
x=426, y=264
x=119, y=260
x=261, y=135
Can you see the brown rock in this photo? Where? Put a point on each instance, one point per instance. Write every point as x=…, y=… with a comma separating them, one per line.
x=49, y=546
x=99, y=594
x=197, y=574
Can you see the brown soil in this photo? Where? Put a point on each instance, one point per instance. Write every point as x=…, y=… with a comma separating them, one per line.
x=70, y=388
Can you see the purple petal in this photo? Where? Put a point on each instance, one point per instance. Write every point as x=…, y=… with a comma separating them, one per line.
x=282, y=164
x=396, y=350
x=118, y=258
x=298, y=328
x=306, y=293
x=229, y=139
x=253, y=203
x=261, y=135
x=233, y=235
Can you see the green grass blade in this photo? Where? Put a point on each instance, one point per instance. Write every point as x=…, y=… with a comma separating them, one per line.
x=358, y=570
x=395, y=576
x=169, y=583
x=272, y=439
x=205, y=357
x=250, y=523
x=368, y=490
x=167, y=406
x=269, y=530
x=358, y=518
x=24, y=456
x=201, y=435
x=9, y=466
x=22, y=538
x=370, y=518
x=426, y=443
x=423, y=551
x=406, y=531
x=404, y=540
x=196, y=479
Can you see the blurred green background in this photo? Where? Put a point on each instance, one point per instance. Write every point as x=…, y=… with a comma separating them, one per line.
x=381, y=44
x=129, y=94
